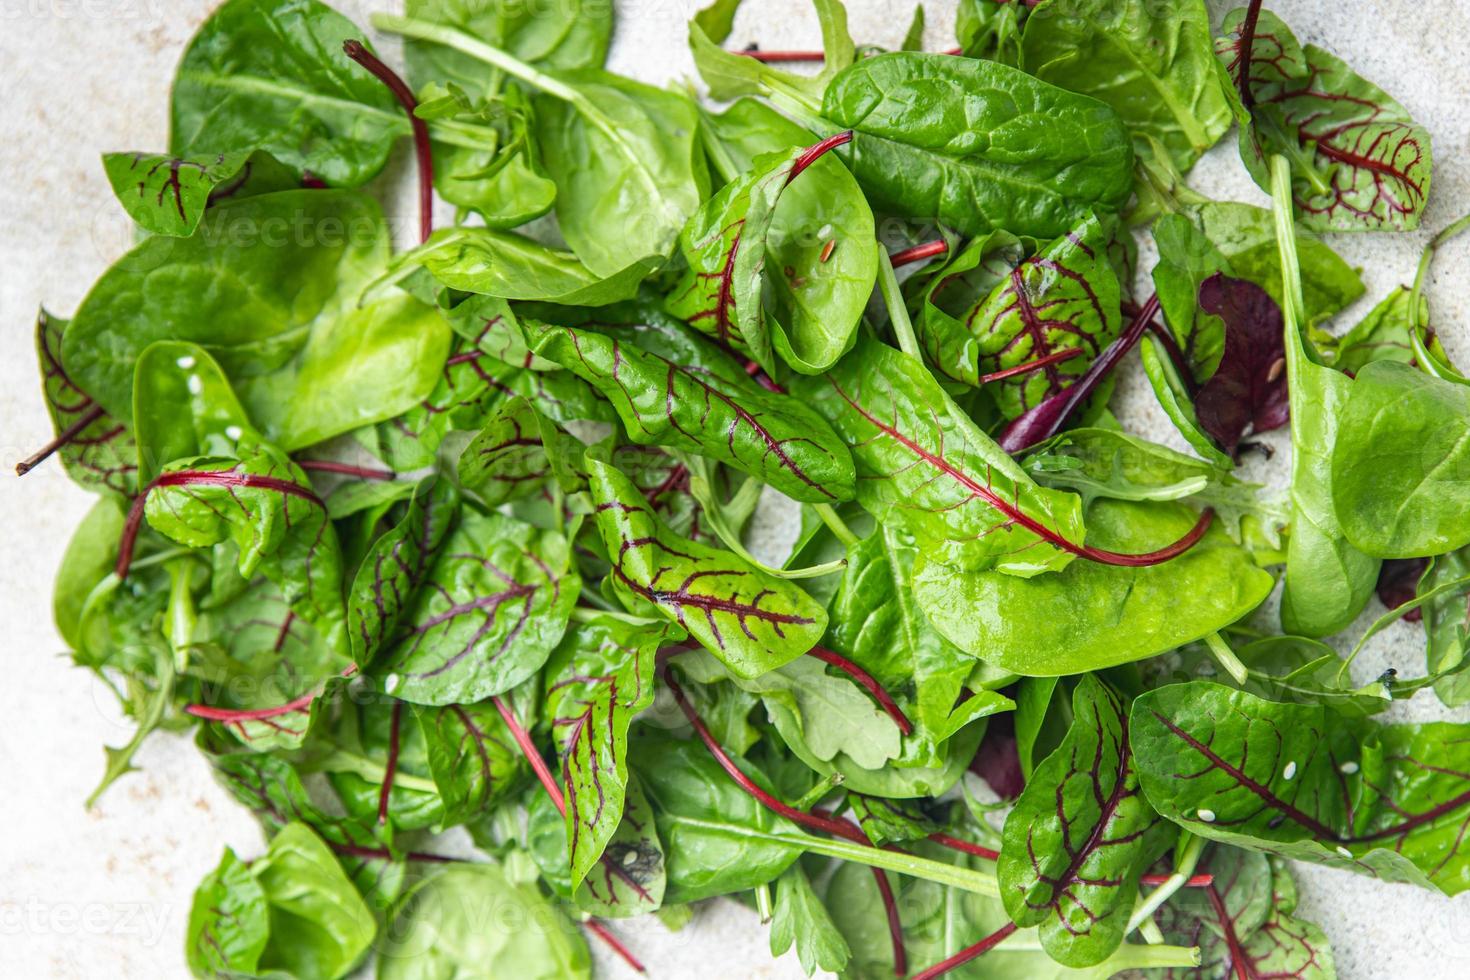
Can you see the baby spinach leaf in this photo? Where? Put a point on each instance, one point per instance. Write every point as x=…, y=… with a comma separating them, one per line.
x=168, y=195
x=291, y=912
x=1064, y=296
x=1153, y=63
x=1447, y=626
x=710, y=407
x=1304, y=782
x=924, y=466
x=1359, y=162
x=597, y=681
x=1080, y=835
x=509, y=266
x=97, y=450
x=1089, y=615
x=454, y=923
x=945, y=317
x=270, y=288
x=1401, y=463
x=993, y=147
x=630, y=878
x=182, y=406
x=1245, y=921
x=817, y=242
x=493, y=607
x=800, y=919
x=473, y=759
x=568, y=34
x=271, y=75
x=397, y=567
x=752, y=621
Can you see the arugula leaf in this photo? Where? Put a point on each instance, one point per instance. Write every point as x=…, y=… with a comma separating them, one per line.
x=751, y=621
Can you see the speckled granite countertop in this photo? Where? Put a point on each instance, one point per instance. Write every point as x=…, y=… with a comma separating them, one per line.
x=106, y=893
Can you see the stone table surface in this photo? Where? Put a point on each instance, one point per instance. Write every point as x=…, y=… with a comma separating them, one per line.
x=106, y=892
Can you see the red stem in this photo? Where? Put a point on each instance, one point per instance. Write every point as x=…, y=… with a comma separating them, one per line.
x=391, y=767
x=1029, y=366
x=762, y=378
x=966, y=955
x=601, y=932
x=773, y=57
x=868, y=682
x=383, y=854
x=1198, y=881
x=360, y=54
x=181, y=478
x=816, y=151
x=954, y=843
x=346, y=469
x=532, y=754
x=65, y=436
x=237, y=715
x=919, y=252
x=895, y=924
x=1238, y=960
x=1246, y=46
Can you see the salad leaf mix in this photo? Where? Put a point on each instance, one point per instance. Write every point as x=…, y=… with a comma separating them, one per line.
x=453, y=537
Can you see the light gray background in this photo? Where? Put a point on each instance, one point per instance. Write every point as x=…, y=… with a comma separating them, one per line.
x=106, y=893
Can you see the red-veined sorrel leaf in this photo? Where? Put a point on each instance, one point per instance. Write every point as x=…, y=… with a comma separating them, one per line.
x=472, y=383
x=1063, y=297
x=472, y=756
x=665, y=484
x=168, y=195
x=1359, y=161
x=493, y=607
x=597, y=681
x=398, y=565
x=1081, y=835
x=926, y=467
x=718, y=412
x=507, y=460
x=753, y=622
x=724, y=244
x=890, y=821
x=1307, y=782
x=1242, y=922
x=273, y=725
x=491, y=325
x=1247, y=391
x=96, y=449
x=264, y=504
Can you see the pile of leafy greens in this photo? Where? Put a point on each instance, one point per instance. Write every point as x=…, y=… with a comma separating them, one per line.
x=453, y=537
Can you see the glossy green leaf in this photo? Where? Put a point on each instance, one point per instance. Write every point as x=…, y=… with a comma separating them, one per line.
x=991, y=29
x=1091, y=616
x=1383, y=335
x=1401, y=463
x=472, y=920
x=718, y=412
x=991, y=148
x=1080, y=835
x=509, y=266
x=566, y=34
x=1304, y=782
x=355, y=744
x=800, y=919
x=924, y=466
x=1153, y=63
x=270, y=288
x=472, y=756
x=1359, y=161
x=229, y=922
x=101, y=456
x=507, y=460
x=272, y=76
x=1447, y=626
x=597, y=681
x=750, y=620
x=183, y=406
x=493, y=607
x=168, y=195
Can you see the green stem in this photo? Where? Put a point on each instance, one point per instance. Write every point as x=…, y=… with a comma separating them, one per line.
x=1150, y=932
x=898, y=314
x=814, y=795
x=1227, y=657
x=1188, y=860
x=1431, y=364
x=837, y=525
x=341, y=760
x=724, y=163
x=965, y=879
x=584, y=615
x=763, y=901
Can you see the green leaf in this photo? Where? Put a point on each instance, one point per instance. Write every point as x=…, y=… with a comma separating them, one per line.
x=472, y=756
x=567, y=34
x=471, y=920
x=991, y=148
x=717, y=19
x=1383, y=335
x=1153, y=63
x=397, y=567
x=1447, y=626
x=507, y=460
x=751, y=621
x=168, y=195
x=597, y=682
x=991, y=29
x=506, y=265
x=494, y=605
x=183, y=406
x=271, y=75
x=1359, y=161
x=1080, y=835
x=1401, y=463
x=1091, y=615
x=890, y=821
x=711, y=408
x=229, y=922
x=282, y=320
x=353, y=748
x=924, y=466
x=800, y=919
x=101, y=455
x=1305, y=782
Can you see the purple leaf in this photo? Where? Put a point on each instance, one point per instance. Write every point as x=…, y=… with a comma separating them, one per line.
x=1247, y=392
